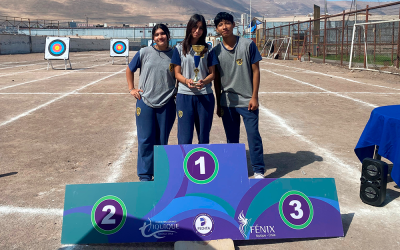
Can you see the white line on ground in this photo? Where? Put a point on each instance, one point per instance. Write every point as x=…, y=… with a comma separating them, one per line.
x=333, y=76
x=328, y=91
x=92, y=72
x=260, y=93
x=45, y=62
x=22, y=65
x=55, y=65
x=325, y=153
x=30, y=211
x=7, y=63
x=317, y=92
x=63, y=93
x=347, y=171
x=56, y=99
x=116, y=167
x=46, y=78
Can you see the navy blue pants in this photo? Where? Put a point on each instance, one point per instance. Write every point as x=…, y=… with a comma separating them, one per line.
x=194, y=111
x=231, y=121
x=153, y=128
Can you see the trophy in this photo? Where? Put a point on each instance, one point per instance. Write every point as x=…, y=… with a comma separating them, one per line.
x=198, y=49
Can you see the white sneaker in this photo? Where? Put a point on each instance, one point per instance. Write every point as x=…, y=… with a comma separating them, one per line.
x=258, y=176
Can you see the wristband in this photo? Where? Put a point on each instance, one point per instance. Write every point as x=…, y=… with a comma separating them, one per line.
x=131, y=90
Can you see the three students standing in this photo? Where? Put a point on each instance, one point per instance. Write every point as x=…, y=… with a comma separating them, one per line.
x=237, y=76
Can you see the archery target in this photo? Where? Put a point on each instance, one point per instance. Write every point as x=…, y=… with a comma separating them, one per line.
x=57, y=48
x=119, y=47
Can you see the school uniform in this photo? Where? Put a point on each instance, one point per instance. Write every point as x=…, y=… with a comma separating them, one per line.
x=155, y=111
x=235, y=68
x=194, y=107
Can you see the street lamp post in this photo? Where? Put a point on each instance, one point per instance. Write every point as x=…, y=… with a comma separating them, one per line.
x=251, y=32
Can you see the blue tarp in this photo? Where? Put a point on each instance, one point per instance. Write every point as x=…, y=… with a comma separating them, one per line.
x=254, y=23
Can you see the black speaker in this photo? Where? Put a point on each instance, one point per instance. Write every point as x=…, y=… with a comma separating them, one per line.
x=373, y=181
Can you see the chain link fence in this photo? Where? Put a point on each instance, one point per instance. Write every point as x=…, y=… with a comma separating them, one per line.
x=329, y=39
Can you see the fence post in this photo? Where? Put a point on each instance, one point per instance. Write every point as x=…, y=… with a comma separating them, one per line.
x=265, y=33
x=343, y=23
x=393, y=44
x=398, y=45
x=290, y=41
x=310, y=42
x=374, y=43
x=298, y=41
x=366, y=37
x=324, y=39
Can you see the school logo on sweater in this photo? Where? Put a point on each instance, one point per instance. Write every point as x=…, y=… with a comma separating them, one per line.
x=239, y=61
x=138, y=110
x=171, y=67
x=180, y=114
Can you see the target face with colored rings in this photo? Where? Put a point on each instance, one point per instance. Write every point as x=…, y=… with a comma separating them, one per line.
x=119, y=47
x=57, y=48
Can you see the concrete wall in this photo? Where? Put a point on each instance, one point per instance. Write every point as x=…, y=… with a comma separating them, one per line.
x=14, y=44
x=21, y=44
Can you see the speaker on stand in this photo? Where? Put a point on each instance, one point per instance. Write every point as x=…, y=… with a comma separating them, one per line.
x=373, y=180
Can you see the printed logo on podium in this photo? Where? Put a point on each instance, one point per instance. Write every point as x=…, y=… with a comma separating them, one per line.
x=203, y=224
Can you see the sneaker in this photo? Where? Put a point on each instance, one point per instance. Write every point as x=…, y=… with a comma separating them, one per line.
x=258, y=176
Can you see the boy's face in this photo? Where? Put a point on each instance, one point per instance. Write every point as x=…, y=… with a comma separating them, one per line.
x=225, y=28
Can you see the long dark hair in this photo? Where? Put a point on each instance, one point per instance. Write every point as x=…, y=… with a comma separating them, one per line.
x=186, y=45
x=164, y=28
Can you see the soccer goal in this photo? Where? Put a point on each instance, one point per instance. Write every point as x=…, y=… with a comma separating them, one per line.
x=375, y=46
x=277, y=48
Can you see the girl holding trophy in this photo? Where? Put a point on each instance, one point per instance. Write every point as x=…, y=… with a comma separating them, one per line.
x=194, y=62
x=155, y=106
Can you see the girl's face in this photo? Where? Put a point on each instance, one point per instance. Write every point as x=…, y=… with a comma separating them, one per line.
x=160, y=38
x=197, y=31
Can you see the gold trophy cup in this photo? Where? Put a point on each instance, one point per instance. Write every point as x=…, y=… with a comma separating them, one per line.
x=198, y=49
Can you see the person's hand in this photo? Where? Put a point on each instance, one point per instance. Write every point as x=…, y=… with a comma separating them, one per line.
x=200, y=85
x=136, y=94
x=189, y=83
x=253, y=104
x=219, y=111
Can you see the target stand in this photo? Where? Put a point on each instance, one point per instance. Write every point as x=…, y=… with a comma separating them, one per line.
x=119, y=48
x=57, y=48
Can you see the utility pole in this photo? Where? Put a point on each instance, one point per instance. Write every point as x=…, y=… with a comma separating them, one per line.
x=251, y=33
x=87, y=21
x=355, y=3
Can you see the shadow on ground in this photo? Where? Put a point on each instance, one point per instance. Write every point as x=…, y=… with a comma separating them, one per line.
x=284, y=162
x=8, y=174
x=346, y=220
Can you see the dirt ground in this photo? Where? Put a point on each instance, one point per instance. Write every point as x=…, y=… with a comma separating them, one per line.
x=77, y=126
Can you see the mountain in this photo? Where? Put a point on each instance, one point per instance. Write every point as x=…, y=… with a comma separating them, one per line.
x=170, y=11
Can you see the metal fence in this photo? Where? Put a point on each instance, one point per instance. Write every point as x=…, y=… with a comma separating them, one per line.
x=11, y=25
x=329, y=39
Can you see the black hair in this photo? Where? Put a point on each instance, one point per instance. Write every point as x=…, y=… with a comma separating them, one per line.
x=188, y=37
x=223, y=16
x=163, y=27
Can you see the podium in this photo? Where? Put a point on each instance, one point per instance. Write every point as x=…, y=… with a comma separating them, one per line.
x=201, y=192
